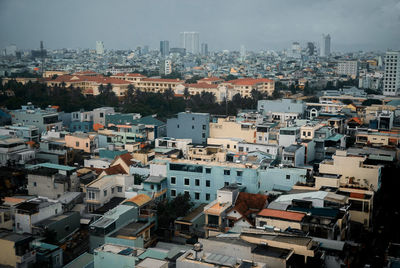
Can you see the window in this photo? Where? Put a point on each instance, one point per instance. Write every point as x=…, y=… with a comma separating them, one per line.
x=288, y=177
x=208, y=170
x=193, y=118
x=197, y=182
x=119, y=189
x=203, y=135
x=226, y=183
x=35, y=184
x=152, y=186
x=173, y=193
x=173, y=180
x=56, y=210
x=239, y=173
x=228, y=146
x=112, y=190
x=105, y=192
x=207, y=196
x=208, y=183
x=177, y=126
x=187, y=181
x=227, y=172
x=101, y=115
x=204, y=127
x=87, y=145
x=304, y=133
x=309, y=133
x=192, y=127
x=186, y=193
x=77, y=144
x=196, y=196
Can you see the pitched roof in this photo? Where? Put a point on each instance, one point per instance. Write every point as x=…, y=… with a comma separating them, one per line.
x=127, y=158
x=117, y=169
x=139, y=200
x=249, y=81
x=247, y=203
x=281, y=214
x=201, y=85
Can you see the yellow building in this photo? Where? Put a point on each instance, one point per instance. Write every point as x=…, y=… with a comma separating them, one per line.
x=229, y=128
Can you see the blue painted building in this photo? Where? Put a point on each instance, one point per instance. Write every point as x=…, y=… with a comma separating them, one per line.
x=189, y=125
x=201, y=180
x=81, y=126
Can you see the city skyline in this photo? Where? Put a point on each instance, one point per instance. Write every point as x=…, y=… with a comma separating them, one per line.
x=371, y=26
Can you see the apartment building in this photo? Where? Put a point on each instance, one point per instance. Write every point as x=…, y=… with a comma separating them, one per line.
x=44, y=120
x=14, y=151
x=25, y=132
x=230, y=128
x=81, y=141
x=244, y=86
x=188, y=125
x=16, y=249
x=354, y=172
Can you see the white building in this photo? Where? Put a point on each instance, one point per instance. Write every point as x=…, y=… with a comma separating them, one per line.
x=348, y=67
x=391, y=81
x=11, y=50
x=99, y=47
x=325, y=49
x=33, y=211
x=190, y=42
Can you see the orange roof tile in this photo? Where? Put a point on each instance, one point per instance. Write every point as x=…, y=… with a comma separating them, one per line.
x=249, y=81
x=115, y=170
x=140, y=200
x=281, y=214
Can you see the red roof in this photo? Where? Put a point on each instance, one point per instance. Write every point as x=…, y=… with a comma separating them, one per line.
x=357, y=195
x=281, y=214
x=249, y=81
x=97, y=79
x=202, y=85
x=115, y=170
x=161, y=80
x=356, y=119
x=127, y=157
x=247, y=203
x=209, y=79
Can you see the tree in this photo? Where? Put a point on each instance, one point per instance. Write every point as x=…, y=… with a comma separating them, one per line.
x=169, y=210
x=186, y=93
x=369, y=102
x=347, y=102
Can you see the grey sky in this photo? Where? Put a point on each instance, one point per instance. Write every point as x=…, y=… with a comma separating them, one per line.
x=223, y=24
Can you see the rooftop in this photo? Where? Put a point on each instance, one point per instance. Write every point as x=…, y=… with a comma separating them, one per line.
x=281, y=214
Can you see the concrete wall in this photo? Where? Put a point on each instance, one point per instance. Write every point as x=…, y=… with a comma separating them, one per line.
x=188, y=125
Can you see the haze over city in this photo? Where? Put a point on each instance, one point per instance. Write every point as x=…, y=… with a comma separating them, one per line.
x=259, y=25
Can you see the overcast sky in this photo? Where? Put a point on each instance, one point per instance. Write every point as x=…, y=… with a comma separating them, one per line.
x=256, y=24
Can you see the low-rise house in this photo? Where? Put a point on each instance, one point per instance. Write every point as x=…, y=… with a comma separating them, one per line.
x=81, y=141
x=354, y=172
x=207, y=153
x=52, y=147
x=52, y=180
x=48, y=255
x=16, y=249
x=102, y=190
x=34, y=211
x=14, y=151
x=191, y=224
x=293, y=155
x=25, y=132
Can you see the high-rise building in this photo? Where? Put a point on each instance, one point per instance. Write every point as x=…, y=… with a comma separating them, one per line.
x=204, y=49
x=164, y=48
x=325, y=46
x=11, y=50
x=99, y=47
x=242, y=52
x=166, y=67
x=190, y=42
x=348, y=67
x=391, y=79
x=310, y=49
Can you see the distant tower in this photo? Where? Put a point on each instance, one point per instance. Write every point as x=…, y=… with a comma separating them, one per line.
x=164, y=48
x=190, y=42
x=166, y=67
x=99, y=47
x=310, y=49
x=42, y=53
x=204, y=49
x=242, y=52
x=325, y=46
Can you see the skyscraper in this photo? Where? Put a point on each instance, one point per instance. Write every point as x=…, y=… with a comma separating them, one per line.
x=325, y=46
x=164, y=48
x=99, y=47
x=190, y=42
x=242, y=52
x=310, y=49
x=204, y=49
x=391, y=79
